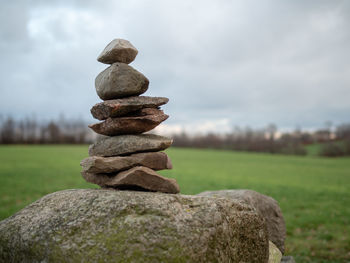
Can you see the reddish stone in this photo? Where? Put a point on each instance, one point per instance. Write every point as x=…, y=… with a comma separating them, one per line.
x=122, y=107
x=145, y=120
x=137, y=178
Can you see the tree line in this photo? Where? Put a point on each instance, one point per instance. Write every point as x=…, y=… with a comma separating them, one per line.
x=31, y=131
x=334, y=142
x=267, y=140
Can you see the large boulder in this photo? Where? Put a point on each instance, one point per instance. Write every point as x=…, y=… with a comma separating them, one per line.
x=90, y=225
x=266, y=207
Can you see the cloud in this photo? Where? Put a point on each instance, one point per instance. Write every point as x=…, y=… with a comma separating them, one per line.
x=245, y=62
x=196, y=127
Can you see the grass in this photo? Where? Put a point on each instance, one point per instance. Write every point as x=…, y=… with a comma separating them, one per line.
x=313, y=149
x=313, y=192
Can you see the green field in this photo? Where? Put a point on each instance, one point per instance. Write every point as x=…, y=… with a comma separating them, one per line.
x=313, y=192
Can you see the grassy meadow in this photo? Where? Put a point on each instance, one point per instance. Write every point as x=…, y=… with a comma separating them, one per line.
x=313, y=192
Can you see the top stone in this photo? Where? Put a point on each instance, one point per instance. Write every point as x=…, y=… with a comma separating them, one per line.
x=119, y=50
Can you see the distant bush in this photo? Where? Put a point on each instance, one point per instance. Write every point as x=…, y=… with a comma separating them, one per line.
x=294, y=149
x=247, y=140
x=347, y=147
x=343, y=132
x=332, y=149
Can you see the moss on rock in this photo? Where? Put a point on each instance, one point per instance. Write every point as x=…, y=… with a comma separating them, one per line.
x=94, y=225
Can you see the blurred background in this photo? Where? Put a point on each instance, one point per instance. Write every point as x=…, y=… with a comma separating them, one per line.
x=259, y=98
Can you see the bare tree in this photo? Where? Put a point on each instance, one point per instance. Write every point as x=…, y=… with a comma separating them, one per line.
x=8, y=131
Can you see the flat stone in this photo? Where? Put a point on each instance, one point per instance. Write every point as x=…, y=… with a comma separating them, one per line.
x=95, y=225
x=154, y=160
x=128, y=144
x=120, y=80
x=266, y=207
x=121, y=107
x=118, y=50
x=275, y=254
x=143, y=121
x=136, y=178
x=287, y=259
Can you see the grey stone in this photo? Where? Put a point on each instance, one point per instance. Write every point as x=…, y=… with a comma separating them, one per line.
x=120, y=80
x=137, y=178
x=145, y=120
x=128, y=144
x=122, y=107
x=118, y=50
x=95, y=225
x=154, y=160
x=287, y=259
x=265, y=205
x=275, y=254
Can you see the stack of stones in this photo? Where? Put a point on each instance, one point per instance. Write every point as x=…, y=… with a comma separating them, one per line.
x=125, y=158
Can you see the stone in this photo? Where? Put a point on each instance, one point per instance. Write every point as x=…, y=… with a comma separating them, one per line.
x=120, y=80
x=122, y=107
x=137, y=178
x=154, y=160
x=128, y=144
x=266, y=207
x=118, y=50
x=95, y=225
x=275, y=254
x=287, y=259
x=144, y=121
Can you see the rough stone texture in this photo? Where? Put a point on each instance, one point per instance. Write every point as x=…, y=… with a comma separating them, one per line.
x=95, y=225
x=275, y=254
x=128, y=144
x=121, y=107
x=154, y=160
x=120, y=80
x=265, y=205
x=136, y=178
x=287, y=259
x=119, y=50
x=144, y=121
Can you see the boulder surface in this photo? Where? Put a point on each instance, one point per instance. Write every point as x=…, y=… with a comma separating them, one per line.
x=266, y=207
x=95, y=225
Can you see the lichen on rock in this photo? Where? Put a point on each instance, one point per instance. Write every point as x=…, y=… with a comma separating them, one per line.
x=95, y=225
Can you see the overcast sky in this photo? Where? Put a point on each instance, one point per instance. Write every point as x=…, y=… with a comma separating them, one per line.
x=221, y=63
